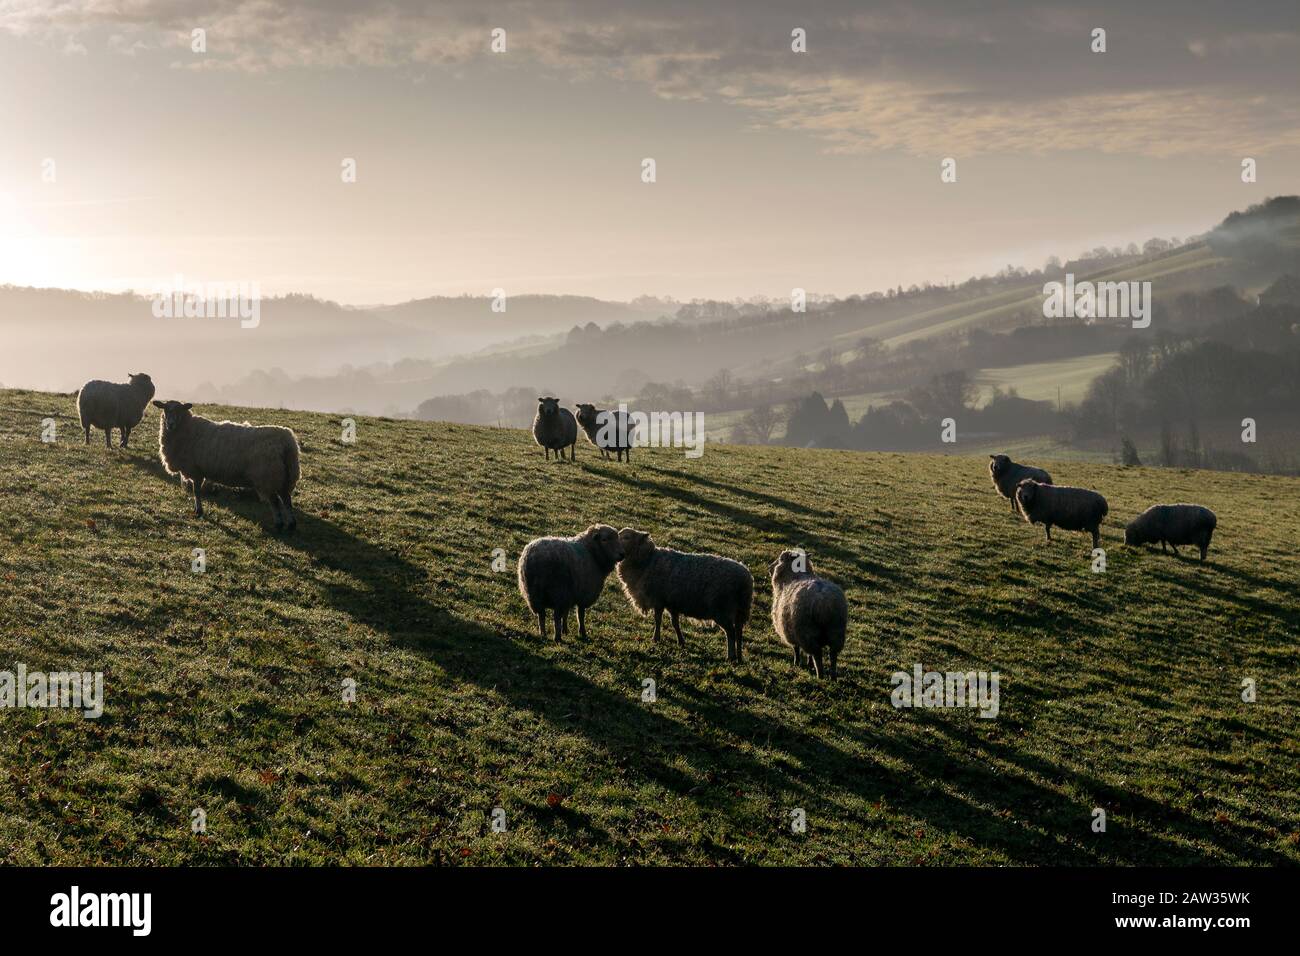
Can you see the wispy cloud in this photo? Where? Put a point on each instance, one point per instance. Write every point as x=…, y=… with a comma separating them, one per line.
x=928, y=78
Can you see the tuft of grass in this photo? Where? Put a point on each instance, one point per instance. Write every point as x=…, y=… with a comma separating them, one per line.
x=1119, y=690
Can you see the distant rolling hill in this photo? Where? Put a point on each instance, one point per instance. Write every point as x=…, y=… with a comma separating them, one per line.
x=1119, y=690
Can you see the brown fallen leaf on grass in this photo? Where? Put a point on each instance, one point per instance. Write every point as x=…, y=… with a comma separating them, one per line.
x=554, y=799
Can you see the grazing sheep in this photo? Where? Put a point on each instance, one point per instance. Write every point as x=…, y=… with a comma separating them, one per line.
x=555, y=429
x=1175, y=524
x=608, y=431
x=559, y=574
x=1074, y=509
x=262, y=457
x=703, y=586
x=1006, y=475
x=809, y=613
x=109, y=405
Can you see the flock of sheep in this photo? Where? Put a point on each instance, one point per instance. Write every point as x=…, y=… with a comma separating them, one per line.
x=555, y=428
x=809, y=613
x=559, y=575
x=264, y=458
x=1034, y=497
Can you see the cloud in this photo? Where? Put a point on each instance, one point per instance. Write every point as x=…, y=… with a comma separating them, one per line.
x=929, y=78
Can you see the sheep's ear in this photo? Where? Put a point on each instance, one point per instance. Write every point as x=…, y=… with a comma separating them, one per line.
x=157, y=404
x=187, y=406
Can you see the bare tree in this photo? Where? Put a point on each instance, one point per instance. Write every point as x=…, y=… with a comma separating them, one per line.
x=757, y=427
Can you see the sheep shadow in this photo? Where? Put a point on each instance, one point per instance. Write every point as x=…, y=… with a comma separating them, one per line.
x=792, y=534
x=761, y=497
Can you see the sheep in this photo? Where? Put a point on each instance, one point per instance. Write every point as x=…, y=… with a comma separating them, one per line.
x=559, y=574
x=607, y=430
x=1175, y=524
x=1006, y=475
x=703, y=586
x=110, y=405
x=809, y=613
x=1074, y=509
x=554, y=428
x=262, y=457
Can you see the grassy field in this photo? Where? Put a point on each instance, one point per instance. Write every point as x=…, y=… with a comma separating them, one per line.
x=1119, y=690
x=1066, y=379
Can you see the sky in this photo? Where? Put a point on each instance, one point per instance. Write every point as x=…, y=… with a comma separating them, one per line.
x=128, y=158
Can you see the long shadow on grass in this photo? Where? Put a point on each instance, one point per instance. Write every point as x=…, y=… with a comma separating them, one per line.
x=385, y=597
x=785, y=504
x=791, y=532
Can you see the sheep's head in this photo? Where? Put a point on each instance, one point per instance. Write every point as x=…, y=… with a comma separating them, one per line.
x=142, y=384
x=604, y=544
x=998, y=465
x=1135, y=533
x=548, y=406
x=637, y=545
x=788, y=564
x=1026, y=492
x=174, y=415
x=586, y=413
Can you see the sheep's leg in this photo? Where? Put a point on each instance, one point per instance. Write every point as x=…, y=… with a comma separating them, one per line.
x=659, y=620
x=1096, y=537
x=573, y=452
x=677, y=629
x=548, y=453
x=798, y=657
x=582, y=622
x=87, y=428
x=1205, y=549
x=108, y=438
x=126, y=436
x=1049, y=531
x=197, y=485
x=1163, y=549
x=740, y=643
x=541, y=623
x=559, y=623
x=286, y=501
x=817, y=662
x=277, y=509
x=834, y=656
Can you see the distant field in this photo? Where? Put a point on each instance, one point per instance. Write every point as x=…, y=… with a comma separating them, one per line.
x=1118, y=690
x=1169, y=274
x=1039, y=381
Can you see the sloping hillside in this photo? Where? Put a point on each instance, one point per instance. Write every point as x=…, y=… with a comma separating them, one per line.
x=223, y=689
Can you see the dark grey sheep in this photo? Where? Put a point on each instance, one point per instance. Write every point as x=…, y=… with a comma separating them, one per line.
x=110, y=405
x=1006, y=475
x=265, y=458
x=607, y=430
x=706, y=587
x=559, y=574
x=810, y=614
x=555, y=429
x=1074, y=509
x=1174, y=524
